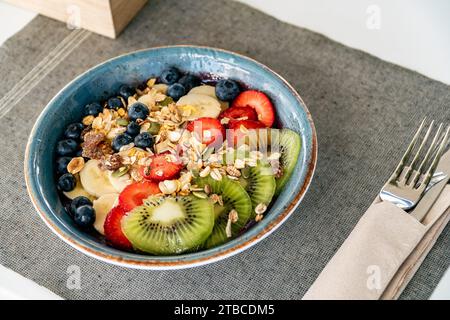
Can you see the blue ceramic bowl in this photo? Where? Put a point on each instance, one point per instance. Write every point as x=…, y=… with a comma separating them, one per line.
x=102, y=81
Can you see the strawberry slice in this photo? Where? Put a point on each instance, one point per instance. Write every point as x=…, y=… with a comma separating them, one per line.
x=113, y=229
x=239, y=113
x=134, y=194
x=210, y=130
x=238, y=127
x=161, y=168
x=258, y=101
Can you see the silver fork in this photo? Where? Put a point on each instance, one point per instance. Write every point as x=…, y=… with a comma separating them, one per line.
x=409, y=181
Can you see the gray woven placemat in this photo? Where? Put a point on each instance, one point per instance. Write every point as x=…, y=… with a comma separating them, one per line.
x=365, y=111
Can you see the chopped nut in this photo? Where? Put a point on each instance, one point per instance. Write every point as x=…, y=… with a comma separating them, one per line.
x=233, y=216
x=75, y=165
x=216, y=199
x=260, y=208
x=121, y=112
x=232, y=171
x=228, y=229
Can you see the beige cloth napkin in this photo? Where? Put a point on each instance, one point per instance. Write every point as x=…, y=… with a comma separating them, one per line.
x=382, y=253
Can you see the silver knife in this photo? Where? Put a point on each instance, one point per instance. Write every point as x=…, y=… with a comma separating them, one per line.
x=430, y=197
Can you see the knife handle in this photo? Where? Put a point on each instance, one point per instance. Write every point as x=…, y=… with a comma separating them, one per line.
x=427, y=201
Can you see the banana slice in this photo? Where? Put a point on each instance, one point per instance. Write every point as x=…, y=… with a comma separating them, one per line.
x=78, y=191
x=94, y=180
x=205, y=90
x=161, y=87
x=102, y=207
x=119, y=183
x=194, y=106
x=209, y=91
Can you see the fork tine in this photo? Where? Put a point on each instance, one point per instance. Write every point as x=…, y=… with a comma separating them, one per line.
x=405, y=157
x=424, y=141
x=416, y=175
x=436, y=159
x=433, y=147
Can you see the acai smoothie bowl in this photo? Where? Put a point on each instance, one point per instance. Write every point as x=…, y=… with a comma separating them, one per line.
x=170, y=157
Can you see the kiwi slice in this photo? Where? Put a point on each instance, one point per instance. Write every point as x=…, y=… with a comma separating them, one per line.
x=289, y=145
x=169, y=225
x=234, y=197
x=259, y=182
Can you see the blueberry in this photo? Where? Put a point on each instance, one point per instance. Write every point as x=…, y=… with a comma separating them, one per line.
x=137, y=110
x=227, y=90
x=78, y=202
x=144, y=140
x=189, y=81
x=61, y=164
x=120, y=141
x=114, y=103
x=66, y=147
x=93, y=109
x=67, y=182
x=176, y=91
x=79, y=153
x=84, y=216
x=133, y=129
x=170, y=76
x=125, y=91
x=73, y=131
x=142, y=86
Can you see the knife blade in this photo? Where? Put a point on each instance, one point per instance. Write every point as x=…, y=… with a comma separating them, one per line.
x=430, y=197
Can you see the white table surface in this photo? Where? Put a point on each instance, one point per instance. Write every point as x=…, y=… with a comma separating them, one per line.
x=412, y=33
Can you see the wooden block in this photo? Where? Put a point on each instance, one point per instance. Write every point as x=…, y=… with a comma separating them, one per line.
x=105, y=17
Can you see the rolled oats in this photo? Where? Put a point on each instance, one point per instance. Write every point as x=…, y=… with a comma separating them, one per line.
x=215, y=174
x=169, y=186
x=88, y=120
x=205, y=172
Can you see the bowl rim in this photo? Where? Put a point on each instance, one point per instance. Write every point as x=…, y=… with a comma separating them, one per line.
x=179, y=264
